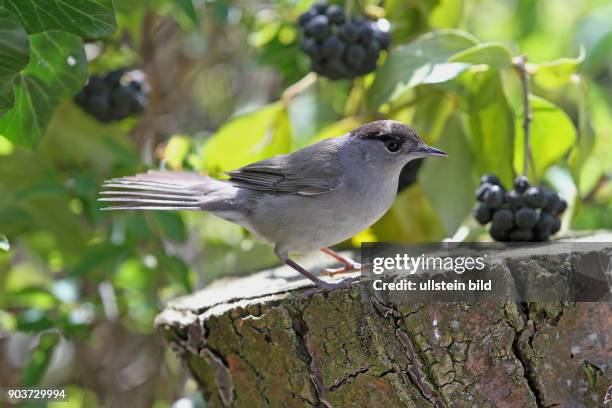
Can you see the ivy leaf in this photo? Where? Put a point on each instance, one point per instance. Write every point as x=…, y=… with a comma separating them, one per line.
x=188, y=9
x=439, y=177
x=492, y=123
x=495, y=55
x=36, y=367
x=552, y=135
x=556, y=73
x=14, y=54
x=85, y=18
x=57, y=71
x=425, y=60
x=247, y=138
x=411, y=218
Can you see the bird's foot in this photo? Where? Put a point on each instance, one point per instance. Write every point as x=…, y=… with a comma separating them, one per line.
x=352, y=267
x=348, y=265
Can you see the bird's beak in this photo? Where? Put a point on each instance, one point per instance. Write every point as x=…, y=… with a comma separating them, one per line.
x=432, y=151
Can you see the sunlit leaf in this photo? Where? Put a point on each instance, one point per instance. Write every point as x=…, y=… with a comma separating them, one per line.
x=556, y=73
x=15, y=54
x=438, y=176
x=425, y=60
x=411, y=218
x=495, y=55
x=32, y=296
x=176, y=150
x=85, y=18
x=336, y=129
x=552, y=135
x=248, y=138
x=492, y=125
x=431, y=114
x=55, y=72
x=37, y=366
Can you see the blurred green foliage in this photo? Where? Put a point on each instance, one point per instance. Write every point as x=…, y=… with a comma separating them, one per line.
x=230, y=86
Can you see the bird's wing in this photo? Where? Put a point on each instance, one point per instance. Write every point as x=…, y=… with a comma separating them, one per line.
x=311, y=171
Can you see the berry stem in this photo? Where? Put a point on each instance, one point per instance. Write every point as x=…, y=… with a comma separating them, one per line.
x=520, y=63
x=293, y=90
x=349, y=9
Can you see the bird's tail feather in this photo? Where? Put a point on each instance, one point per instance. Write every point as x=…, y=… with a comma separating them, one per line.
x=156, y=190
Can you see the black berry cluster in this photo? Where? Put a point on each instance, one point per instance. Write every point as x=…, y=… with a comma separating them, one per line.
x=340, y=47
x=524, y=214
x=114, y=96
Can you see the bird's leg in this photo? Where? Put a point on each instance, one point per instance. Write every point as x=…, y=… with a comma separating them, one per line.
x=319, y=282
x=284, y=257
x=348, y=265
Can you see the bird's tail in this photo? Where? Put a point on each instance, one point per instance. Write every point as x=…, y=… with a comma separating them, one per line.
x=158, y=190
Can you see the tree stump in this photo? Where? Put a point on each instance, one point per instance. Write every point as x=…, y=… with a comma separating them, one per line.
x=269, y=341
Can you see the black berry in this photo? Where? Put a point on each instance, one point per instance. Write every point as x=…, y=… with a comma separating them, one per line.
x=498, y=234
x=546, y=222
x=483, y=214
x=514, y=199
x=348, y=32
x=335, y=14
x=317, y=28
x=556, y=225
x=494, y=197
x=503, y=219
x=491, y=179
x=521, y=183
x=332, y=48
x=526, y=218
x=482, y=190
x=115, y=96
x=306, y=17
x=320, y=7
x=534, y=197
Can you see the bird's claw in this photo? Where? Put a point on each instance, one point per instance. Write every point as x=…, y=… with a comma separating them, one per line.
x=350, y=266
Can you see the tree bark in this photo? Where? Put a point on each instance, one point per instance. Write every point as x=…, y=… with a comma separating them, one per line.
x=268, y=341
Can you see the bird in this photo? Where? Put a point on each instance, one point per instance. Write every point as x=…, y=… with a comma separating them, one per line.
x=300, y=202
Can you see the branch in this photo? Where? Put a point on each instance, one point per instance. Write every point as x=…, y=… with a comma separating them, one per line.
x=298, y=87
x=520, y=65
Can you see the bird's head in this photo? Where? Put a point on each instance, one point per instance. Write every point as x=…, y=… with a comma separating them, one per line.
x=390, y=142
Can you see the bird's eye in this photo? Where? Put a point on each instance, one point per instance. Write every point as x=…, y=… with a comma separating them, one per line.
x=392, y=146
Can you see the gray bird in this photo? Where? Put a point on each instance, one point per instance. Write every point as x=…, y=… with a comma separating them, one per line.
x=308, y=200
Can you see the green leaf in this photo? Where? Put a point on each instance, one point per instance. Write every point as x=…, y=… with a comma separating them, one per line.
x=431, y=114
x=552, y=135
x=170, y=225
x=495, y=55
x=248, y=138
x=37, y=366
x=14, y=55
x=438, y=177
x=425, y=60
x=410, y=219
x=492, y=124
x=56, y=71
x=556, y=73
x=85, y=18
x=336, y=129
x=188, y=9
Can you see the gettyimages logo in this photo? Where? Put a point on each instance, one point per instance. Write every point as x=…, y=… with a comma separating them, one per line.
x=554, y=271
